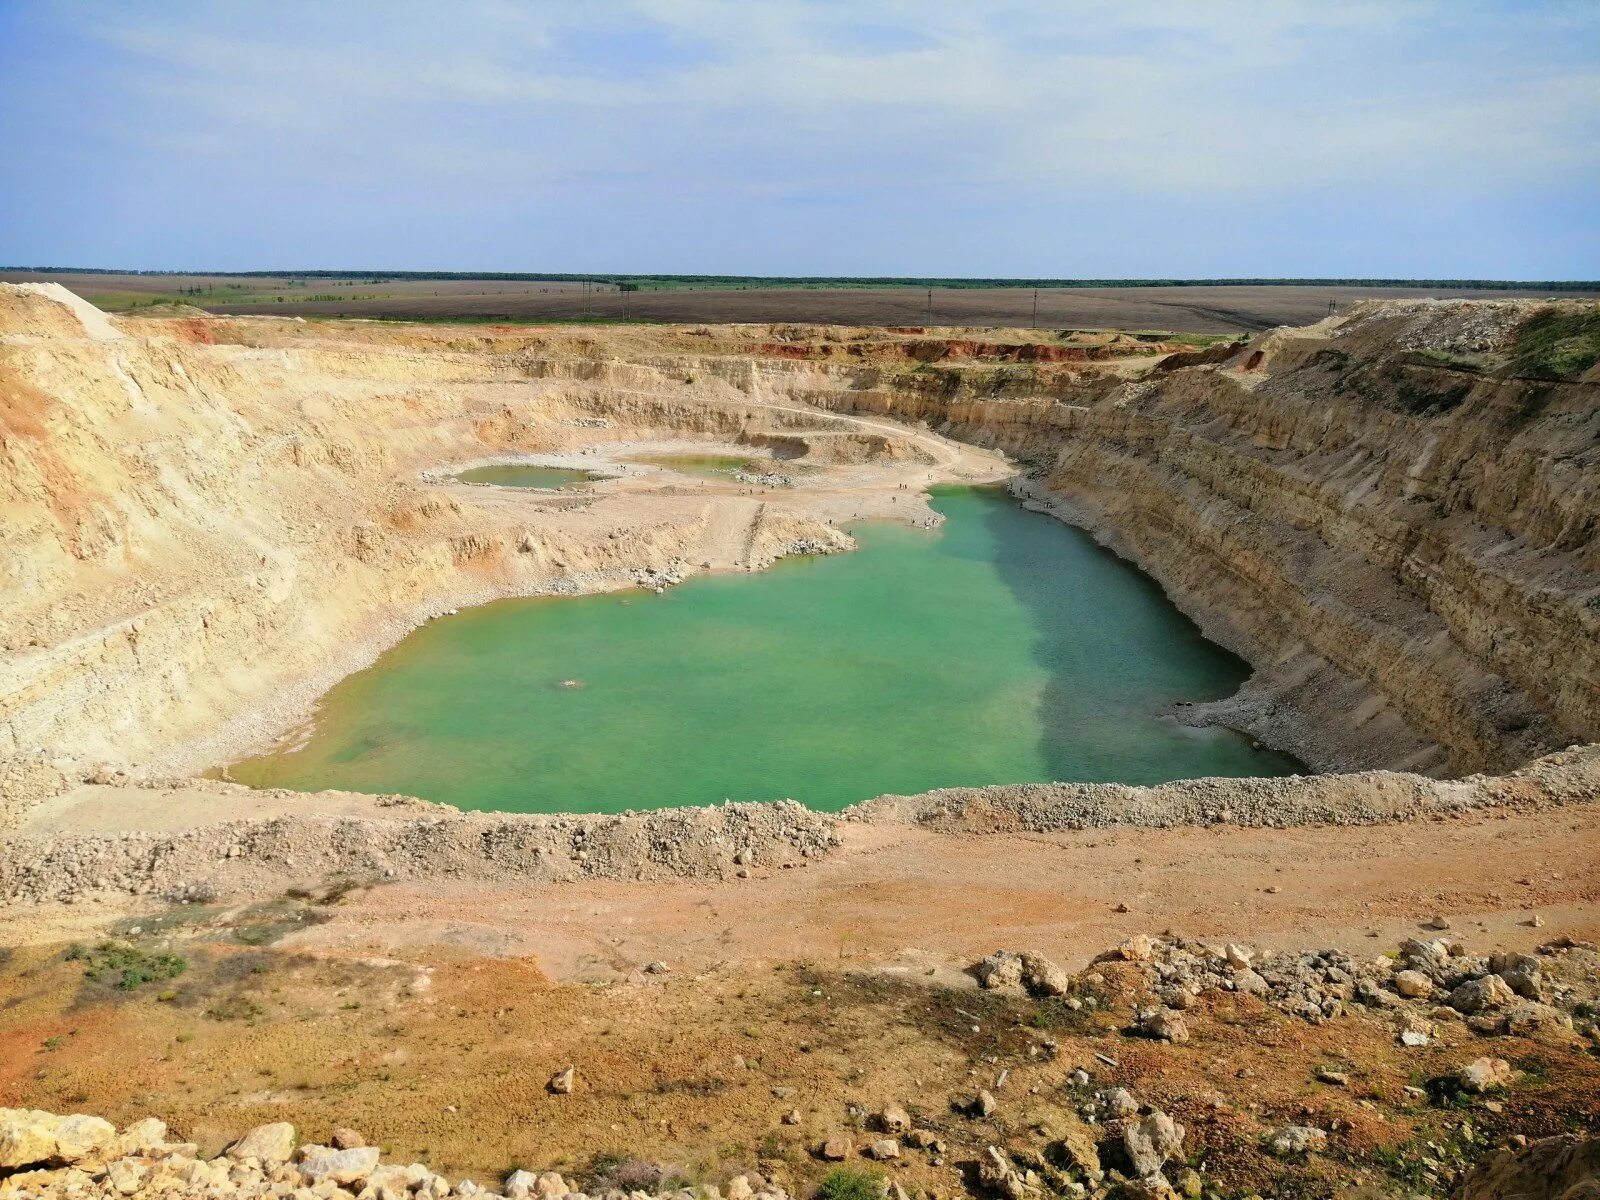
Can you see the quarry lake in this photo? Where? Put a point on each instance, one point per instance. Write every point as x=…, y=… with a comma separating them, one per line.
x=1003, y=647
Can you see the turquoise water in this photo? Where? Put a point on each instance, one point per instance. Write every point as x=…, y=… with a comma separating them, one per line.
x=1004, y=647
x=521, y=475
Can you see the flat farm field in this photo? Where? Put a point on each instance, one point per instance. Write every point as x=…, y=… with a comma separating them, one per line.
x=1198, y=308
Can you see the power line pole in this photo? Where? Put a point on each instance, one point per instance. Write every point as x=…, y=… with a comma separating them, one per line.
x=1036, y=308
x=930, y=306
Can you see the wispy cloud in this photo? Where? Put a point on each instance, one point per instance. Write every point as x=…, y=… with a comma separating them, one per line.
x=448, y=107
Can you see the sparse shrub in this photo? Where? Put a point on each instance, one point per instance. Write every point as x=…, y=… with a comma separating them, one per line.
x=850, y=1183
x=613, y=1171
x=234, y=1008
x=126, y=967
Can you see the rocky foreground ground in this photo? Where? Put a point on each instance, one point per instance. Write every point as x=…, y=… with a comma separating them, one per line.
x=1169, y=1067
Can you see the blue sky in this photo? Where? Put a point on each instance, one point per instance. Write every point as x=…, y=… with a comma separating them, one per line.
x=904, y=137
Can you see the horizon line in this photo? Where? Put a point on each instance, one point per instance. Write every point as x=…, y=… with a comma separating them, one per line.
x=996, y=281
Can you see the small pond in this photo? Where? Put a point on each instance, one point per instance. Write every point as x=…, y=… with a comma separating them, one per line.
x=707, y=466
x=527, y=475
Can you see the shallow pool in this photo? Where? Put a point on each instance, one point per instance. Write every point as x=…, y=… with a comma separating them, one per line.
x=709, y=466
x=524, y=475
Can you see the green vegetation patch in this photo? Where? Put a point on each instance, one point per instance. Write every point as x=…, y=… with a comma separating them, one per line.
x=126, y=967
x=850, y=1183
x=1556, y=344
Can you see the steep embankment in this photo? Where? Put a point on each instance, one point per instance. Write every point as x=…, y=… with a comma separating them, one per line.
x=1391, y=514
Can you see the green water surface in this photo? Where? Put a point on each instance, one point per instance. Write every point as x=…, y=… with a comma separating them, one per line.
x=711, y=466
x=523, y=475
x=1004, y=647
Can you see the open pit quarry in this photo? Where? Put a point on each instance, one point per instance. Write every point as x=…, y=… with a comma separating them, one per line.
x=1391, y=516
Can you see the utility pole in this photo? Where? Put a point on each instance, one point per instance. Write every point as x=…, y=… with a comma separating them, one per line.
x=1036, y=308
x=930, y=306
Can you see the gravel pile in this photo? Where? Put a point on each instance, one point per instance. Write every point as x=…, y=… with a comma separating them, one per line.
x=245, y=855
x=1365, y=798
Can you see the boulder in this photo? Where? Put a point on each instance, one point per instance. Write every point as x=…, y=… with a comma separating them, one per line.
x=1251, y=982
x=1042, y=977
x=996, y=1173
x=894, y=1120
x=78, y=1136
x=272, y=1145
x=1076, y=1145
x=1485, y=1075
x=344, y=1138
x=1413, y=985
x=1138, y=948
x=30, y=1136
x=27, y=1136
x=1521, y=972
x=1165, y=1025
x=340, y=1166
x=1480, y=995
x=1424, y=956
x=1295, y=1141
x=1001, y=971
x=1155, y=1187
x=1530, y=1017
x=883, y=1150
x=835, y=1149
x=126, y=1176
x=1151, y=1142
x=142, y=1137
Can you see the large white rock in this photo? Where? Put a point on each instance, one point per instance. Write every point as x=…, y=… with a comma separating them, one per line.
x=341, y=1166
x=272, y=1145
x=1485, y=1075
x=29, y=1136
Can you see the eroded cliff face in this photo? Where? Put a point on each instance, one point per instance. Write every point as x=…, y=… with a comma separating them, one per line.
x=1384, y=513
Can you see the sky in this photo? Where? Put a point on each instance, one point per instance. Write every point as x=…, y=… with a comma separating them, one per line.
x=1038, y=138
